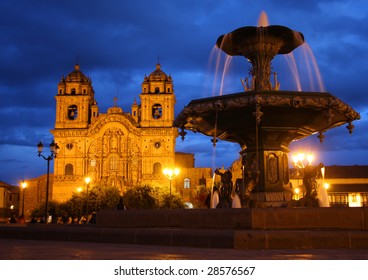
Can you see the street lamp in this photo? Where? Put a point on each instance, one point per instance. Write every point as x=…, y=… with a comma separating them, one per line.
x=24, y=185
x=300, y=160
x=87, y=180
x=54, y=149
x=296, y=191
x=171, y=174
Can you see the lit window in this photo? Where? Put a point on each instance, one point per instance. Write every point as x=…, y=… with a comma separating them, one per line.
x=186, y=183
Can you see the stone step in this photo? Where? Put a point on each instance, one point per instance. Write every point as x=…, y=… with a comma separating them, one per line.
x=202, y=238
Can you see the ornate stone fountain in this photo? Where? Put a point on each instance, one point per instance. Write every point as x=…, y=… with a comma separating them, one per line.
x=264, y=120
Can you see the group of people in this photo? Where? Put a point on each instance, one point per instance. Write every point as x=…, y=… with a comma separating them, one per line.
x=90, y=219
x=13, y=219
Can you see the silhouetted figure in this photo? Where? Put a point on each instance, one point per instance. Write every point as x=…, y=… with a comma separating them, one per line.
x=93, y=218
x=21, y=219
x=121, y=205
x=12, y=220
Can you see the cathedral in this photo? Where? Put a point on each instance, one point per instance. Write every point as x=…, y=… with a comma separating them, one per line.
x=117, y=148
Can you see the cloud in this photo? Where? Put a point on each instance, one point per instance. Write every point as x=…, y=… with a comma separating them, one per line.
x=118, y=42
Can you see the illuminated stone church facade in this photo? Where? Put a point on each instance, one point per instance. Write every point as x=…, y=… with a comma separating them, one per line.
x=118, y=148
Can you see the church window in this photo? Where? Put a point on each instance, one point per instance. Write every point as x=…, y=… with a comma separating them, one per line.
x=60, y=91
x=69, y=169
x=202, y=181
x=69, y=146
x=157, y=90
x=186, y=183
x=156, y=111
x=72, y=112
x=73, y=91
x=157, y=168
x=114, y=163
x=168, y=90
x=84, y=91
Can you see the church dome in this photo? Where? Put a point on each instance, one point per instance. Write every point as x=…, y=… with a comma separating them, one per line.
x=77, y=75
x=158, y=75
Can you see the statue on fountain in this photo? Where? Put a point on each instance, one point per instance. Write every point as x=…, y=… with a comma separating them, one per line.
x=245, y=185
x=225, y=189
x=309, y=181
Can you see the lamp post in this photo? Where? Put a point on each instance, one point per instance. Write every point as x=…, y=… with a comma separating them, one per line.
x=171, y=174
x=24, y=185
x=300, y=162
x=54, y=149
x=87, y=180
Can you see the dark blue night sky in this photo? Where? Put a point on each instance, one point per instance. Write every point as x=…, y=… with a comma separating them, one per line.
x=116, y=43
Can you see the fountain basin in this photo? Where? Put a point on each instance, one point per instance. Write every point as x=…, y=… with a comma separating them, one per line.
x=284, y=116
x=239, y=42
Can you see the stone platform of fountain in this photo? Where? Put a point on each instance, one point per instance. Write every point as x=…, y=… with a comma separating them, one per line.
x=256, y=228
x=271, y=228
x=324, y=218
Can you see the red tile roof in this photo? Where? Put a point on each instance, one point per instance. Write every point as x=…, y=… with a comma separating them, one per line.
x=352, y=171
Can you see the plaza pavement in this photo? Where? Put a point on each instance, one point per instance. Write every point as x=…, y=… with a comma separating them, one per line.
x=87, y=242
x=16, y=249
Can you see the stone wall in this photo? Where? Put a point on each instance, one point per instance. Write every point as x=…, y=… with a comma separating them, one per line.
x=256, y=219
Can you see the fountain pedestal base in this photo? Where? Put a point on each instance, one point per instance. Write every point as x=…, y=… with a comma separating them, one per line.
x=273, y=187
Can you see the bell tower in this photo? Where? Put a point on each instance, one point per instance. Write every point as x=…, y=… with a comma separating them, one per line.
x=157, y=100
x=155, y=117
x=75, y=102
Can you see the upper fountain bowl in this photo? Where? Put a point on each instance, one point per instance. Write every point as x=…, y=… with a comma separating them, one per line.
x=246, y=40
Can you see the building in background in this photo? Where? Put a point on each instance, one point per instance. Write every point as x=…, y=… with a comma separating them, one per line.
x=347, y=186
x=122, y=149
x=9, y=201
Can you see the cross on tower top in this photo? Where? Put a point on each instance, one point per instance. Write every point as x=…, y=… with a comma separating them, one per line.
x=115, y=100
